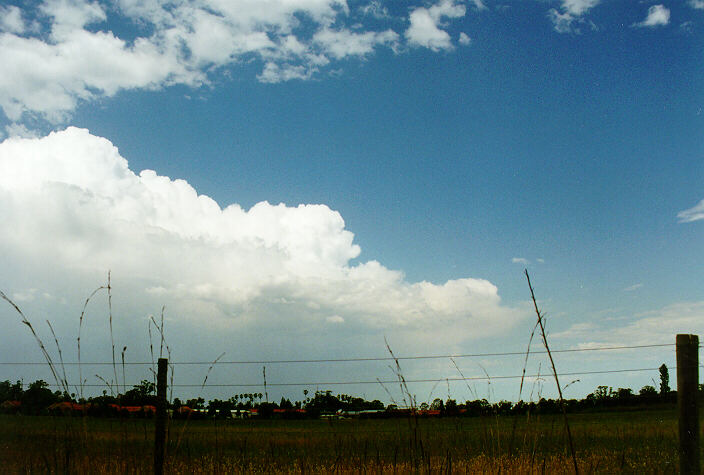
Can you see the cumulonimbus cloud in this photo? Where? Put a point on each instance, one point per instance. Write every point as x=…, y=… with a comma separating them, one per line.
x=255, y=267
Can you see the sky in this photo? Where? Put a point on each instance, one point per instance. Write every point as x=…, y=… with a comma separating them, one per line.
x=314, y=179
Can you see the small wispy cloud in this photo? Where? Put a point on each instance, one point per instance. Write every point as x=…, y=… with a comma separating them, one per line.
x=633, y=287
x=572, y=15
x=687, y=27
x=658, y=15
x=25, y=295
x=653, y=327
x=694, y=213
x=479, y=5
x=520, y=260
x=698, y=4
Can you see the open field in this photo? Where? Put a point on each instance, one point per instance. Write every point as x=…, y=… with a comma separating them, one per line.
x=635, y=442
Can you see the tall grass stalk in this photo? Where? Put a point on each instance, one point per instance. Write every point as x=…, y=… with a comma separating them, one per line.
x=64, y=380
x=151, y=349
x=161, y=330
x=112, y=339
x=520, y=388
x=124, y=380
x=163, y=344
x=80, y=325
x=464, y=378
x=405, y=392
x=202, y=387
x=554, y=372
x=391, y=396
x=26, y=321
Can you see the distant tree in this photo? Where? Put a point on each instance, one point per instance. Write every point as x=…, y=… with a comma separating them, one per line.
x=10, y=392
x=647, y=391
x=324, y=402
x=266, y=410
x=198, y=403
x=623, y=393
x=141, y=395
x=437, y=404
x=451, y=408
x=38, y=397
x=503, y=407
x=664, y=379
x=602, y=393
x=478, y=407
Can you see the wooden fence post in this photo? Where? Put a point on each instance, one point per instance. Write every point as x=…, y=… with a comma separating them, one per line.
x=160, y=418
x=687, y=386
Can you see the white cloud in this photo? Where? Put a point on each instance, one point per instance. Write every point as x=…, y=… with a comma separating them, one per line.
x=425, y=30
x=51, y=78
x=578, y=7
x=11, y=19
x=698, y=4
x=464, y=39
x=342, y=43
x=19, y=130
x=68, y=16
x=73, y=54
x=479, y=5
x=658, y=15
x=271, y=265
x=694, y=213
x=24, y=296
x=375, y=9
x=273, y=72
x=571, y=16
x=633, y=287
x=520, y=260
x=687, y=26
x=654, y=327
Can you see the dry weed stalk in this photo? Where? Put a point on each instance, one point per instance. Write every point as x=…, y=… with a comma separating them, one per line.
x=464, y=378
x=26, y=321
x=80, y=325
x=554, y=372
x=202, y=387
x=64, y=380
x=112, y=339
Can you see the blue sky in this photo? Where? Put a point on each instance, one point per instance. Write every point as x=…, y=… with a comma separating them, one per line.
x=451, y=144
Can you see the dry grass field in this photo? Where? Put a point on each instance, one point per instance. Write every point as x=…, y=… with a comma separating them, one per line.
x=643, y=441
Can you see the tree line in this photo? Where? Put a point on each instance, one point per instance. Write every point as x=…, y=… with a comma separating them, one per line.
x=37, y=398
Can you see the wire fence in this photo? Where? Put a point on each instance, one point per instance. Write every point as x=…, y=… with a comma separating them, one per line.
x=360, y=359
x=376, y=381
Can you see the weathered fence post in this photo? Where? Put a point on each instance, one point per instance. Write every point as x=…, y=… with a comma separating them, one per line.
x=160, y=418
x=687, y=386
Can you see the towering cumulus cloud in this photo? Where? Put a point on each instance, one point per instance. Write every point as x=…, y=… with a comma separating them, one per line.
x=70, y=201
